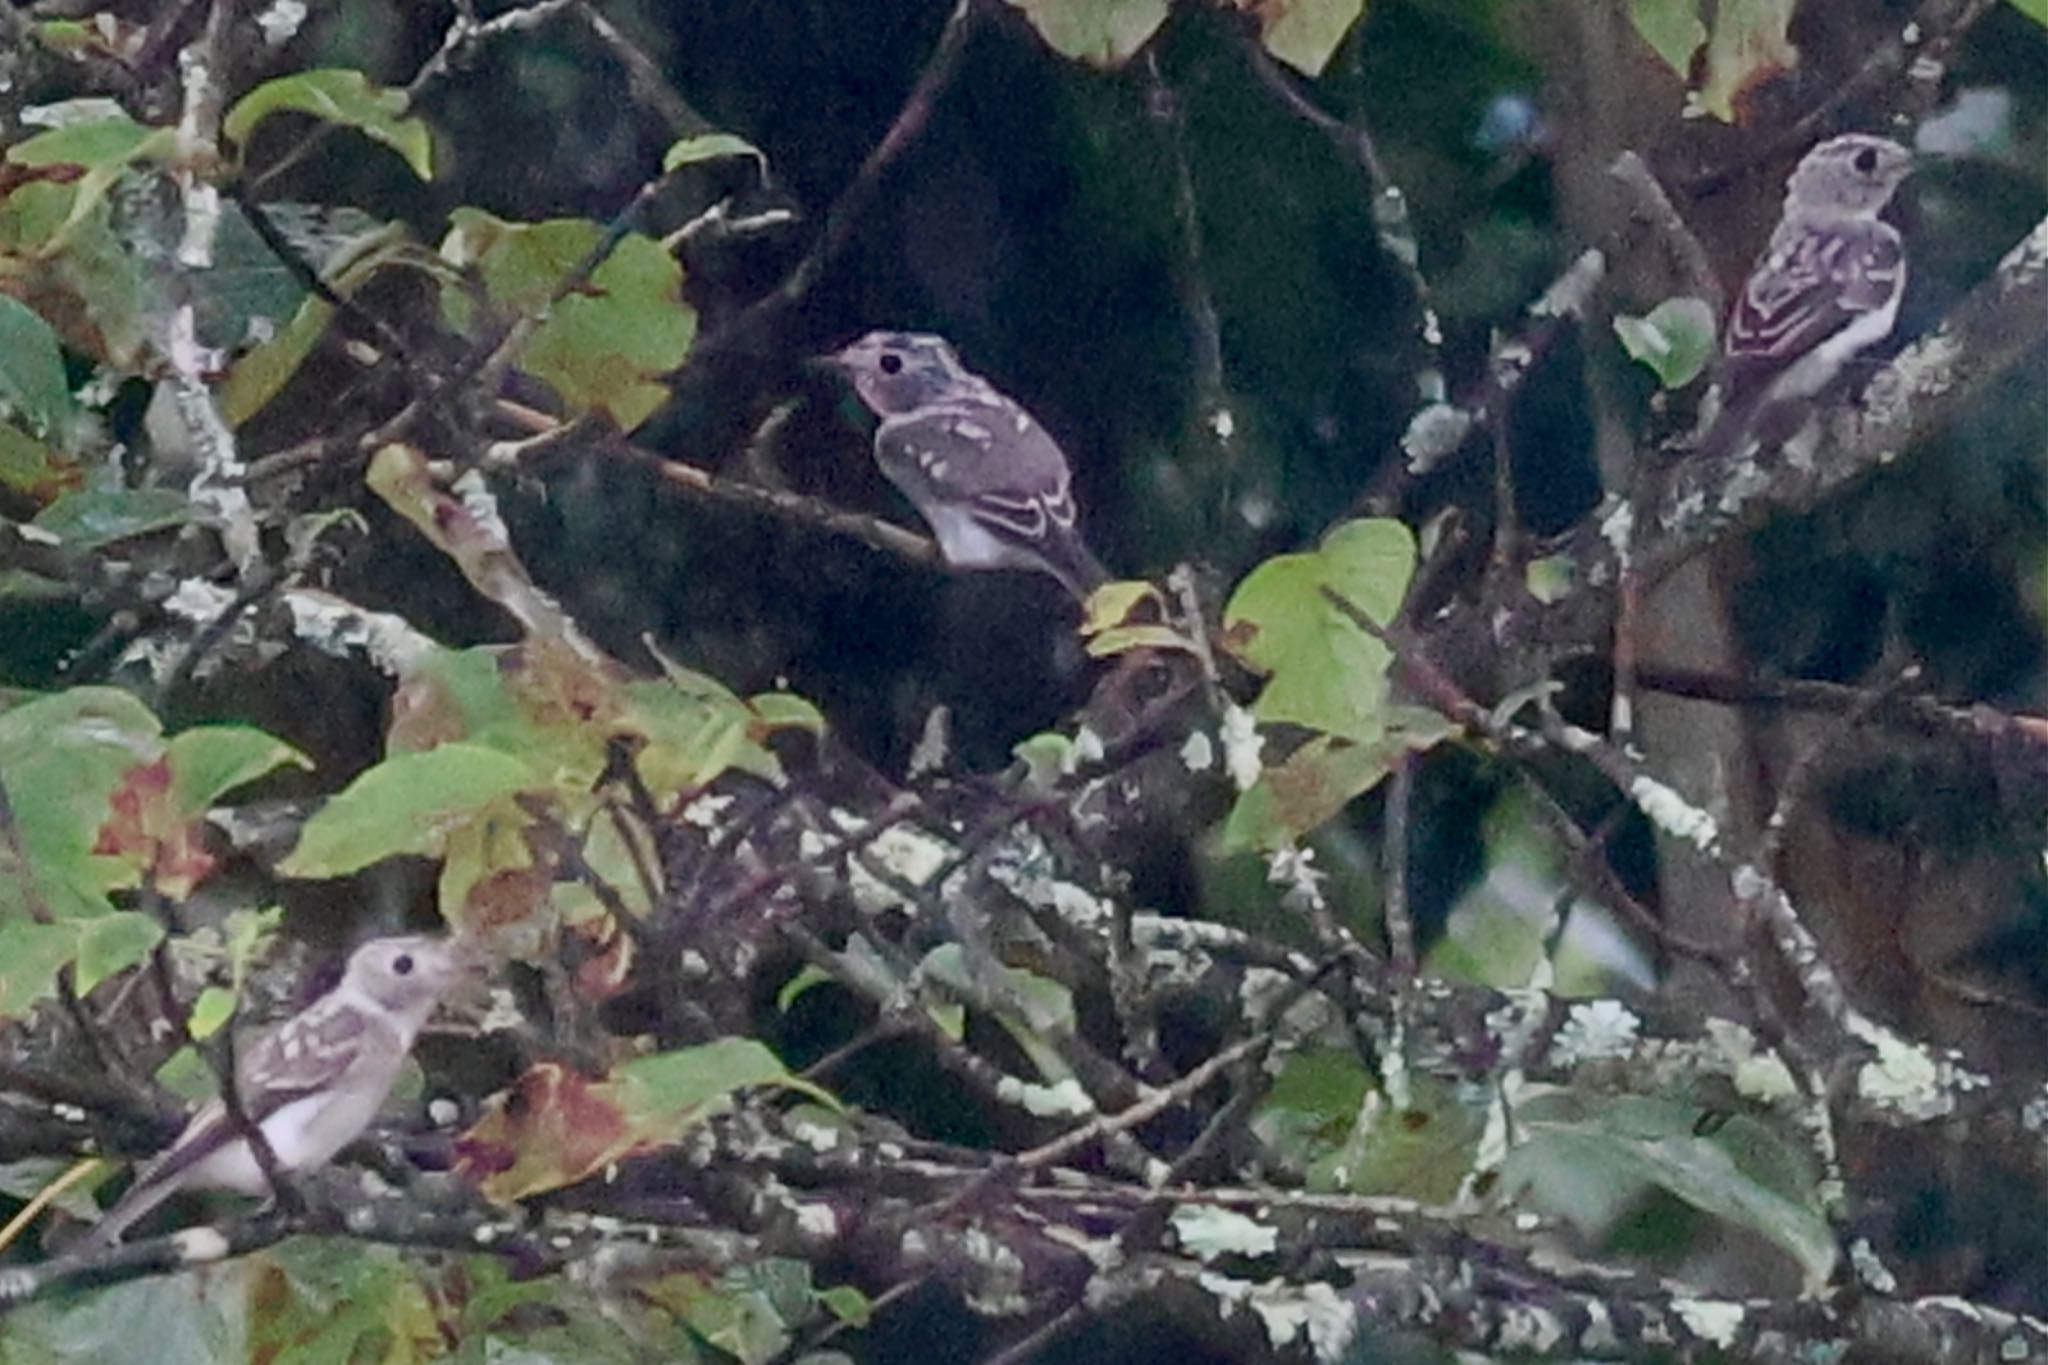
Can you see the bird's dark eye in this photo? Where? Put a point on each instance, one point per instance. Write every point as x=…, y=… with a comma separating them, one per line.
x=891, y=363
x=402, y=964
x=1866, y=160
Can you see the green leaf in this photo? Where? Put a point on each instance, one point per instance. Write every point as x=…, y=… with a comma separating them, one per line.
x=330, y=1300
x=79, y=262
x=672, y=1086
x=33, y=467
x=31, y=955
x=112, y=944
x=601, y=348
x=1305, y=33
x=1676, y=339
x=1311, y=1105
x=1672, y=28
x=2037, y=10
x=92, y=518
x=338, y=96
x=209, y=761
x=62, y=756
x=786, y=711
x=104, y=148
x=797, y=986
x=1321, y=778
x=693, y=735
x=262, y=374
x=214, y=1007
x=737, y=1313
x=1325, y=672
x=26, y=1178
x=847, y=1304
x=555, y=1127
x=112, y=141
x=709, y=147
x=1101, y=32
x=1750, y=43
x=1652, y=1140
x=32, y=384
x=176, y=1319
x=406, y=804
x=1126, y=615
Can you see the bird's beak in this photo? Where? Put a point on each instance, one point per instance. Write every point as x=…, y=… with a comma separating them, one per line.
x=466, y=952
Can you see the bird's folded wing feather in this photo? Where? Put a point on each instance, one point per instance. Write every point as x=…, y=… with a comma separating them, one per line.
x=1813, y=283
x=993, y=460
x=308, y=1053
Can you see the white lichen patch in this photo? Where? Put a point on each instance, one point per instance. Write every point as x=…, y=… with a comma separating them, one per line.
x=1870, y=1267
x=1714, y=1321
x=2034, y=1113
x=1618, y=526
x=1569, y=292
x=339, y=627
x=1000, y=1291
x=1064, y=1100
x=1595, y=1030
x=1433, y=433
x=1314, y=1313
x=704, y=812
x=817, y=1220
x=1242, y=747
x=196, y=1245
x=1760, y=1076
x=1909, y=1079
x=1673, y=814
x=199, y=601
x=908, y=855
x=1528, y=1329
x=1207, y=1232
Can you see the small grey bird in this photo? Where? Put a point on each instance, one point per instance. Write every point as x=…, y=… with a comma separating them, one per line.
x=312, y=1083
x=1827, y=287
x=986, y=476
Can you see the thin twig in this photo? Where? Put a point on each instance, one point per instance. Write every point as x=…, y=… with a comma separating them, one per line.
x=748, y=328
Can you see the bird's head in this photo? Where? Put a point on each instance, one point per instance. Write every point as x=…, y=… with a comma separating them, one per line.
x=1852, y=174
x=898, y=372
x=405, y=974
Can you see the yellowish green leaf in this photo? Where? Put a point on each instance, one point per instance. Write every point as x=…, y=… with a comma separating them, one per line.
x=342, y=97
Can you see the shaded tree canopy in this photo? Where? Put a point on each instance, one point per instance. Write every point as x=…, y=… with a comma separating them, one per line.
x=1489, y=874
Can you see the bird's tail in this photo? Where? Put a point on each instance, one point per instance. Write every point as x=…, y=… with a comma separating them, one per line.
x=142, y=1198
x=1068, y=558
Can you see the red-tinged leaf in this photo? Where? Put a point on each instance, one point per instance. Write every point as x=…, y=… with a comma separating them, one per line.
x=606, y=956
x=553, y=1128
x=468, y=531
x=35, y=470
x=492, y=888
x=151, y=835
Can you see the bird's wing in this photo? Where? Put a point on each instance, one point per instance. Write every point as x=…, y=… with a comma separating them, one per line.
x=993, y=458
x=307, y=1053
x=1815, y=281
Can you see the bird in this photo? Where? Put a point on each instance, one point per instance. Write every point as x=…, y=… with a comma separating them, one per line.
x=1826, y=288
x=986, y=476
x=311, y=1083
